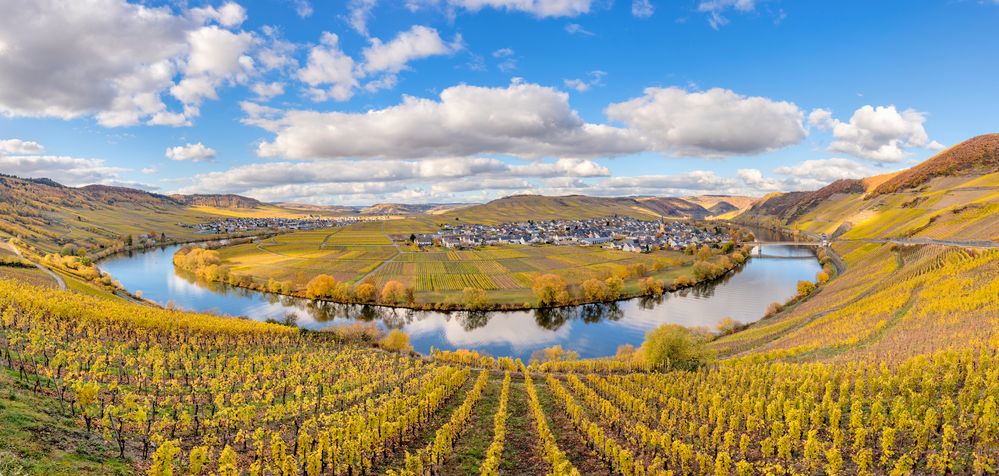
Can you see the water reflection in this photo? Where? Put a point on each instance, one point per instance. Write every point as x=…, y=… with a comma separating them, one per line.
x=592, y=330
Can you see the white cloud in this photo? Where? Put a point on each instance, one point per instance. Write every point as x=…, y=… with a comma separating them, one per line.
x=502, y=53
x=815, y=174
x=65, y=170
x=360, y=13
x=329, y=71
x=523, y=120
x=715, y=9
x=715, y=123
x=539, y=8
x=228, y=15
x=701, y=180
x=192, y=152
x=303, y=8
x=18, y=146
x=137, y=52
x=880, y=134
x=595, y=78
x=416, y=43
x=754, y=179
x=577, y=29
x=642, y=8
x=267, y=91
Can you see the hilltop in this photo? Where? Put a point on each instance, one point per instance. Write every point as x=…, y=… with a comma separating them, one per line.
x=954, y=195
x=541, y=207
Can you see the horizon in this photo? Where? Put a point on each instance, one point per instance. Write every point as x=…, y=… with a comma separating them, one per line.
x=432, y=102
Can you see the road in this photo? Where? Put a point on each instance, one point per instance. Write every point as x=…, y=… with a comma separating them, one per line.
x=58, y=279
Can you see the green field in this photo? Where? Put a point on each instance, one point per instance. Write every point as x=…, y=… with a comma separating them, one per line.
x=366, y=253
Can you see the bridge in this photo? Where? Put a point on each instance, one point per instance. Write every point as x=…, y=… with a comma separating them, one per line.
x=787, y=243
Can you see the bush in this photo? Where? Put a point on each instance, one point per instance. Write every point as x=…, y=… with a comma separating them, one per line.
x=594, y=290
x=365, y=292
x=682, y=281
x=651, y=287
x=614, y=285
x=821, y=277
x=550, y=290
x=729, y=326
x=396, y=340
x=321, y=287
x=674, y=346
x=805, y=288
x=393, y=292
x=554, y=354
x=474, y=299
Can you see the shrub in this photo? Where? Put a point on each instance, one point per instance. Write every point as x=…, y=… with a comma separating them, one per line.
x=728, y=326
x=554, y=353
x=674, y=346
x=821, y=277
x=365, y=292
x=682, y=281
x=805, y=288
x=651, y=286
x=321, y=287
x=396, y=340
x=474, y=299
x=614, y=285
x=550, y=290
x=393, y=292
x=594, y=290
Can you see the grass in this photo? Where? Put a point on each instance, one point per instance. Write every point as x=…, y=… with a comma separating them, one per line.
x=37, y=439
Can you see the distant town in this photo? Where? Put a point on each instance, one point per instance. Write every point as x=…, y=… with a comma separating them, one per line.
x=627, y=234
x=237, y=225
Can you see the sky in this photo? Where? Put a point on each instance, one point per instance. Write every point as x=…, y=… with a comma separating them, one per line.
x=356, y=102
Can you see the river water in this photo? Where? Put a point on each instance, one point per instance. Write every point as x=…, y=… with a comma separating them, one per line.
x=592, y=330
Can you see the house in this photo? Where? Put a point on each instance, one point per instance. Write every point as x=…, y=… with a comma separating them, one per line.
x=424, y=240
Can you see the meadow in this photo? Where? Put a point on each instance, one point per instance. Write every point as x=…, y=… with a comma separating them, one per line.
x=367, y=253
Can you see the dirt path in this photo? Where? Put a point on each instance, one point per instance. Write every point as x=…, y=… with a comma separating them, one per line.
x=58, y=279
x=474, y=441
x=521, y=451
x=569, y=440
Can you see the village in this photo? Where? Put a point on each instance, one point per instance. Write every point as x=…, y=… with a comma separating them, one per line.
x=236, y=225
x=622, y=233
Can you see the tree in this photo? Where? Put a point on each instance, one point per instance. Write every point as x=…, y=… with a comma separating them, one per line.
x=550, y=290
x=672, y=345
x=805, y=288
x=320, y=287
x=651, y=286
x=393, y=292
x=822, y=277
x=554, y=353
x=682, y=281
x=474, y=299
x=728, y=326
x=365, y=292
x=594, y=290
x=614, y=285
x=704, y=253
x=396, y=341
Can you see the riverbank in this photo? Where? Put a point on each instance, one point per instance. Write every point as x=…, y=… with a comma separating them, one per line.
x=651, y=275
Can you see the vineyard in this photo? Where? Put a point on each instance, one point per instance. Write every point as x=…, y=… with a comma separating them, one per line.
x=365, y=253
x=200, y=394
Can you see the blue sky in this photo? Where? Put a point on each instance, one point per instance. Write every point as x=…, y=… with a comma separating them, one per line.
x=363, y=101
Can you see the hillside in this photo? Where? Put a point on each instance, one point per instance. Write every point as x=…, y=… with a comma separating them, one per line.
x=951, y=196
x=217, y=201
x=48, y=215
x=978, y=155
x=541, y=207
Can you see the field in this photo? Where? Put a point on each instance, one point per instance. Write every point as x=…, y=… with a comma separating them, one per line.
x=366, y=253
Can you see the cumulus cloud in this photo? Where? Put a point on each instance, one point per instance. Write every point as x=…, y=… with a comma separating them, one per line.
x=700, y=180
x=138, y=52
x=754, y=179
x=329, y=72
x=416, y=43
x=523, y=120
x=191, y=152
x=880, y=134
x=18, y=146
x=332, y=74
x=714, y=123
x=820, y=172
x=267, y=91
x=66, y=170
x=432, y=178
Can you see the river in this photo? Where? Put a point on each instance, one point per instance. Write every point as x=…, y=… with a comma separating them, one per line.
x=592, y=330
